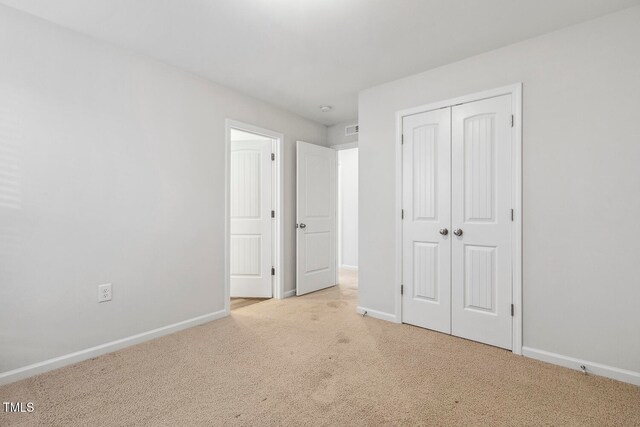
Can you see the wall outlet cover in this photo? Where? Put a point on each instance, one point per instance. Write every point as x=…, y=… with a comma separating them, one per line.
x=104, y=292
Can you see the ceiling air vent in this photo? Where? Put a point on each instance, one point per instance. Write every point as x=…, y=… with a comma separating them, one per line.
x=351, y=130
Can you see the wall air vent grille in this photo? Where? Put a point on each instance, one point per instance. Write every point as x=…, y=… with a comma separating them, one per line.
x=351, y=130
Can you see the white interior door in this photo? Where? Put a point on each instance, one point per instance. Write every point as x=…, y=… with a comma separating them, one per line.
x=316, y=223
x=481, y=214
x=251, y=222
x=426, y=298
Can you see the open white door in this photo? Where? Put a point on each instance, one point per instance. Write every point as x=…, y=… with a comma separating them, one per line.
x=316, y=224
x=251, y=228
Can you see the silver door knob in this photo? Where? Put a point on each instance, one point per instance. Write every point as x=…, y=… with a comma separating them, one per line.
x=303, y=225
x=457, y=232
x=444, y=231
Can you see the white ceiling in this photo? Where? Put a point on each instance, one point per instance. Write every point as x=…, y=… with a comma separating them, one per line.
x=300, y=54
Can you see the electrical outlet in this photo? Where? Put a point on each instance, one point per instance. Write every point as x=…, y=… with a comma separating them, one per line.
x=104, y=293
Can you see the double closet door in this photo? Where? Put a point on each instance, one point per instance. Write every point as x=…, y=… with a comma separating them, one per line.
x=457, y=220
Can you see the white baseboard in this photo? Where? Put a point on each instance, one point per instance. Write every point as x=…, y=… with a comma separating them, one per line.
x=592, y=367
x=349, y=267
x=291, y=293
x=78, y=356
x=377, y=314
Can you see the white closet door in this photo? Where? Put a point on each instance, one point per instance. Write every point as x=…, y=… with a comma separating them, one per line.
x=251, y=231
x=427, y=214
x=481, y=212
x=316, y=206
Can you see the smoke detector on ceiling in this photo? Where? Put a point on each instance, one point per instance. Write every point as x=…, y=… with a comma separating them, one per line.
x=326, y=108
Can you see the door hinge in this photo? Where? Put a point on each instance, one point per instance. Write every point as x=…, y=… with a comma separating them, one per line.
x=273, y=271
x=512, y=309
x=402, y=139
x=512, y=215
x=273, y=156
x=512, y=120
x=401, y=289
x=401, y=213
x=273, y=214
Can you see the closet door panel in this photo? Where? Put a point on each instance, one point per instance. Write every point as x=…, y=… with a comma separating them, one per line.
x=426, y=205
x=481, y=220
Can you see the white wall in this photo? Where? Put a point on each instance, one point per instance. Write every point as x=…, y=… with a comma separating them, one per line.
x=581, y=183
x=112, y=172
x=335, y=133
x=348, y=206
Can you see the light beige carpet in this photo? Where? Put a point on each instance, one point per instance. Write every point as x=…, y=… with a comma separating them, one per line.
x=313, y=361
x=237, y=303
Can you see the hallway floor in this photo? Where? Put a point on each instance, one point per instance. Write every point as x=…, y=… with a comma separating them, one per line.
x=313, y=360
x=237, y=303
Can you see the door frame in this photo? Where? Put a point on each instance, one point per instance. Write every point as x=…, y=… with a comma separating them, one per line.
x=338, y=148
x=515, y=90
x=278, y=235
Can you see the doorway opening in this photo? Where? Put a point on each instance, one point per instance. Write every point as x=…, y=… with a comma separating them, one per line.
x=348, y=216
x=253, y=244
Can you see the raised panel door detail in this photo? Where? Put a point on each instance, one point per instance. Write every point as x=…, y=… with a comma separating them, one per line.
x=317, y=192
x=481, y=182
x=426, y=204
x=245, y=191
x=425, y=172
x=316, y=216
x=479, y=168
x=245, y=255
x=317, y=251
x=425, y=273
x=480, y=277
x=250, y=200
